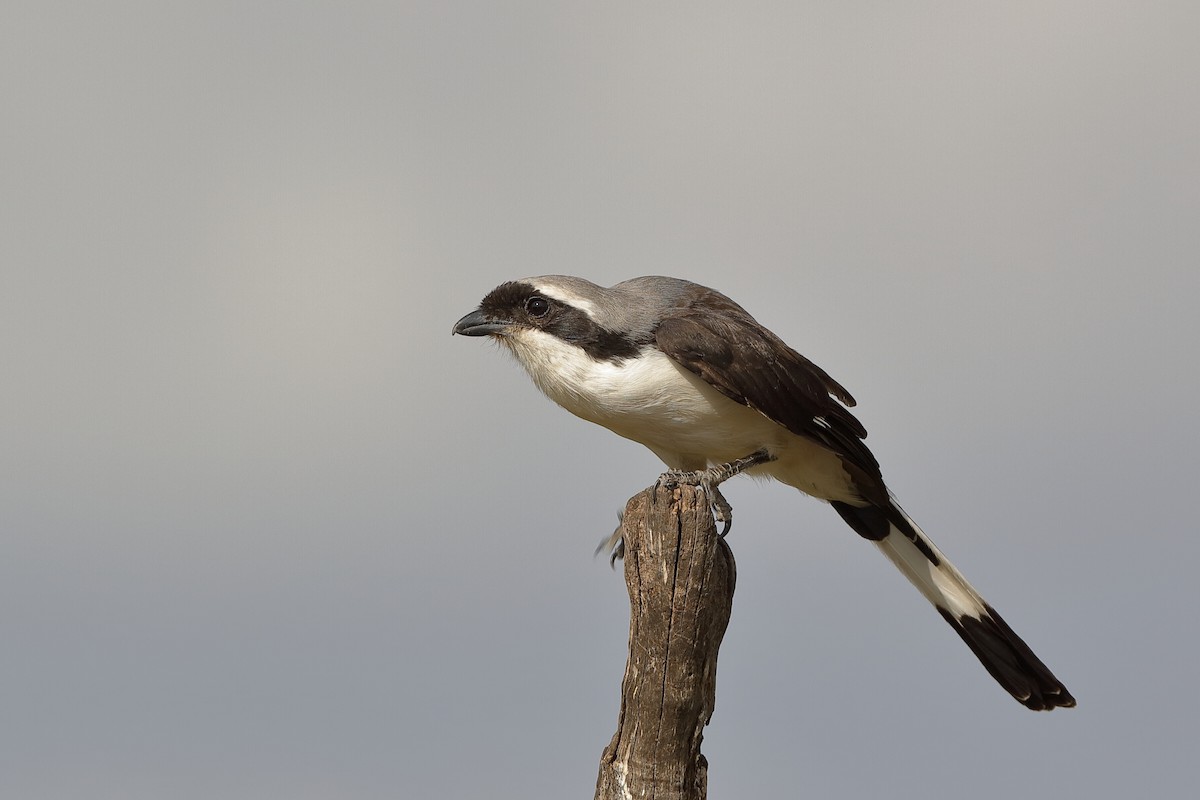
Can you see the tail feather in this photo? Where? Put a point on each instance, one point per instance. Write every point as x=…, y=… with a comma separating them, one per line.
x=1001, y=651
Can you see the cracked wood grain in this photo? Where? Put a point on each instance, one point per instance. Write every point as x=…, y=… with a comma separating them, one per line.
x=680, y=578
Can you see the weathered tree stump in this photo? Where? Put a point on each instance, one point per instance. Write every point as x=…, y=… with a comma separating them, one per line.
x=680, y=577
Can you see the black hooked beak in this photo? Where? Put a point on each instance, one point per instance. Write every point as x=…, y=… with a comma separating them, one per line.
x=478, y=323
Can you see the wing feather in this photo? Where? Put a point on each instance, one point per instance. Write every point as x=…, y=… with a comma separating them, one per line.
x=750, y=365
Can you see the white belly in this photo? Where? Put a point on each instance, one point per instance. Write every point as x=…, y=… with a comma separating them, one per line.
x=685, y=421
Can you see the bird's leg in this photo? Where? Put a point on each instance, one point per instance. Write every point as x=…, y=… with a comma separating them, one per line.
x=709, y=479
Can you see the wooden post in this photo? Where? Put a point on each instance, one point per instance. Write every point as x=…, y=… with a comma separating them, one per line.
x=680, y=577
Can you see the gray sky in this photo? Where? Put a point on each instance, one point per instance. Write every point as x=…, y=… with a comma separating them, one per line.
x=268, y=531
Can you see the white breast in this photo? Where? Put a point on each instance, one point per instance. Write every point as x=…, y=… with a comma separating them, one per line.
x=650, y=399
x=685, y=421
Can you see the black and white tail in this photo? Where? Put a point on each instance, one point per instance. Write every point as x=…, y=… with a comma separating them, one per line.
x=1004, y=654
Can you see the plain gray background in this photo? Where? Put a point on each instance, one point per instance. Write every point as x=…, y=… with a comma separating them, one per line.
x=268, y=531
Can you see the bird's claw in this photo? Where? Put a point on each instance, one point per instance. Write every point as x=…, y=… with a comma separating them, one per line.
x=674, y=477
x=707, y=480
x=722, y=511
x=614, y=543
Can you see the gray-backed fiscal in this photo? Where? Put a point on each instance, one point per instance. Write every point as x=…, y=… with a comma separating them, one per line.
x=691, y=375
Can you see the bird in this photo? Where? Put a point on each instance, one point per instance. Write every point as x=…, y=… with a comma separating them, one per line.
x=691, y=375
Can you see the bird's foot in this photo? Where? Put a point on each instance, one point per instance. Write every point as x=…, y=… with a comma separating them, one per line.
x=613, y=544
x=709, y=479
x=705, y=479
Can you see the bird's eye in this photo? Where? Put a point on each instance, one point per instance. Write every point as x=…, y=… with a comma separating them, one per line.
x=537, y=306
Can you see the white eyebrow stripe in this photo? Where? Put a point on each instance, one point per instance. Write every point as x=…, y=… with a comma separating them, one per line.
x=570, y=298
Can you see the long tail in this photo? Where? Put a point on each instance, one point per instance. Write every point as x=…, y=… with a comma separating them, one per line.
x=998, y=648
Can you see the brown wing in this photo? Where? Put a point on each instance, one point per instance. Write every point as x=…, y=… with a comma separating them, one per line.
x=747, y=363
